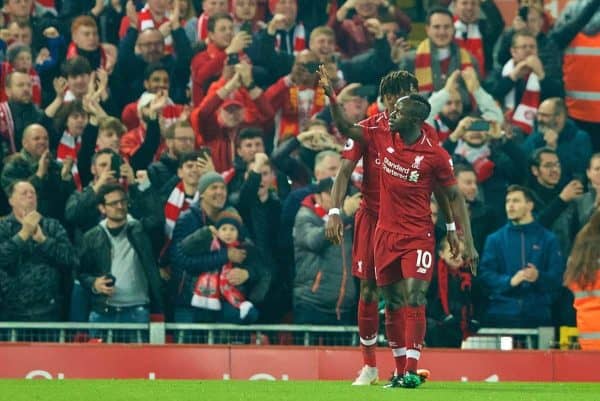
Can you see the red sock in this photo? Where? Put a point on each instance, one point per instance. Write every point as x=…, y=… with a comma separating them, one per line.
x=415, y=334
x=394, y=329
x=368, y=323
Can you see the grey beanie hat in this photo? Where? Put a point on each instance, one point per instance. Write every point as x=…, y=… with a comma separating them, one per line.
x=208, y=179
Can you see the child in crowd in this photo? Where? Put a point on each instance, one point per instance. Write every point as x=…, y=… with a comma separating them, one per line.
x=230, y=284
x=449, y=307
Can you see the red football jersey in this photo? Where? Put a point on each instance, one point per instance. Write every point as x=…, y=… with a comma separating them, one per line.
x=408, y=176
x=371, y=164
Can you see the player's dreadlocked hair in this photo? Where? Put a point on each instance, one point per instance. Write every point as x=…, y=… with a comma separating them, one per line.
x=398, y=83
x=420, y=107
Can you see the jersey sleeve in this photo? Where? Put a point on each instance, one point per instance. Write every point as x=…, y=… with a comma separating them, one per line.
x=353, y=150
x=444, y=169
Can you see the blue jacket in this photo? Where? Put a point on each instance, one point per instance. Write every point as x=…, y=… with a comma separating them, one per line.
x=574, y=150
x=192, y=226
x=507, y=251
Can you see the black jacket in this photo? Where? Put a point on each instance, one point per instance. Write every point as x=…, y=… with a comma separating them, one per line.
x=96, y=262
x=130, y=67
x=34, y=272
x=52, y=190
x=163, y=175
x=81, y=212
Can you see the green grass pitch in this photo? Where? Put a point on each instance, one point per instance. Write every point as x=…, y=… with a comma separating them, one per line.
x=177, y=390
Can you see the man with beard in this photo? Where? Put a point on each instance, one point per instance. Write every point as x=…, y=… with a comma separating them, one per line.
x=447, y=107
x=118, y=265
x=180, y=139
x=557, y=131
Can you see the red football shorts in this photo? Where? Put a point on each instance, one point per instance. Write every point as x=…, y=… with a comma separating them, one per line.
x=399, y=257
x=363, y=264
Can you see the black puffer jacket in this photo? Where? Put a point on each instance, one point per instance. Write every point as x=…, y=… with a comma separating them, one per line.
x=33, y=273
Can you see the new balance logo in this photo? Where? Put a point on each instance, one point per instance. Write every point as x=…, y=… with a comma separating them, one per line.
x=390, y=149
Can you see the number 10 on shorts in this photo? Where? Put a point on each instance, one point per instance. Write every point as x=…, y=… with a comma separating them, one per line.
x=424, y=260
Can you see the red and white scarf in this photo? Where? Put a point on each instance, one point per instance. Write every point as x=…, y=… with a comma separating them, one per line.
x=442, y=130
x=45, y=6
x=311, y=202
x=523, y=114
x=468, y=37
x=176, y=204
x=146, y=20
x=202, y=27
x=69, y=146
x=299, y=39
x=73, y=52
x=7, y=126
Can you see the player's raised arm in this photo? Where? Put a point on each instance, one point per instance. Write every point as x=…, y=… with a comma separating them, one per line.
x=345, y=127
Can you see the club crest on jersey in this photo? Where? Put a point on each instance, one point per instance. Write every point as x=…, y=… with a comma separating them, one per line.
x=417, y=163
x=349, y=144
x=414, y=176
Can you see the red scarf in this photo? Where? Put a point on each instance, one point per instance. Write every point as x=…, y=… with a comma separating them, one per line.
x=443, y=132
x=36, y=83
x=202, y=27
x=299, y=39
x=176, y=204
x=146, y=20
x=294, y=117
x=311, y=202
x=69, y=146
x=46, y=6
x=468, y=37
x=465, y=286
x=523, y=114
x=212, y=286
x=7, y=126
x=72, y=51
x=228, y=291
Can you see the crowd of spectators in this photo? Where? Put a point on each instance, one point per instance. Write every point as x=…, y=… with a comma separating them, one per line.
x=174, y=158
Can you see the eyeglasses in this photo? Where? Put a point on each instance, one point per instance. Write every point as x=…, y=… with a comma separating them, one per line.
x=151, y=44
x=550, y=165
x=122, y=202
x=531, y=47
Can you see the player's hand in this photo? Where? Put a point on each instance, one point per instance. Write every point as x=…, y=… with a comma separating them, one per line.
x=471, y=257
x=325, y=81
x=334, y=229
x=454, y=242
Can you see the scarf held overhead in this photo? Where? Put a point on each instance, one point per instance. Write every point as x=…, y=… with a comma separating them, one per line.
x=468, y=37
x=523, y=114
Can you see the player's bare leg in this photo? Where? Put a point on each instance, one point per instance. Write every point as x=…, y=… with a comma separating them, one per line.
x=368, y=324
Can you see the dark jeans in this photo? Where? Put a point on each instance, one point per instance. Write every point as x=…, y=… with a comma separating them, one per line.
x=47, y=313
x=306, y=314
x=79, y=310
x=131, y=314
